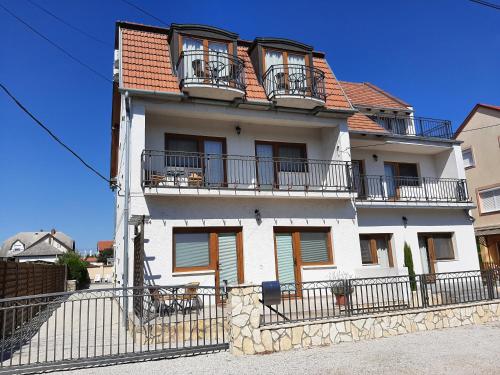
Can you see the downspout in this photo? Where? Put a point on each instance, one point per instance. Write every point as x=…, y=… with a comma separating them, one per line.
x=128, y=105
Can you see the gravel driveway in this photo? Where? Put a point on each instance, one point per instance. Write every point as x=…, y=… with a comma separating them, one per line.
x=463, y=350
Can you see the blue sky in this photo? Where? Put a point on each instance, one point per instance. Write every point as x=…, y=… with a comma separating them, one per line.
x=441, y=56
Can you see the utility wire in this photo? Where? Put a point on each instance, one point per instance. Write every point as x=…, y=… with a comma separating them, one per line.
x=144, y=11
x=74, y=58
x=55, y=137
x=75, y=28
x=486, y=4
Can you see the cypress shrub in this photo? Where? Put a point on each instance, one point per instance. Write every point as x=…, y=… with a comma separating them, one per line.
x=409, y=265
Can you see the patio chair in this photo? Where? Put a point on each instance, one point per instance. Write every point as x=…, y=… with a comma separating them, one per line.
x=160, y=304
x=190, y=300
x=97, y=278
x=107, y=278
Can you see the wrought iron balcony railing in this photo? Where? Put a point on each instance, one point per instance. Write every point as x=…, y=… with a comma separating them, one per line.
x=217, y=69
x=416, y=126
x=294, y=80
x=417, y=189
x=162, y=169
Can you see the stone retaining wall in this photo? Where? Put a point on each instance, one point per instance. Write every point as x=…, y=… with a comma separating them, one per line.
x=246, y=336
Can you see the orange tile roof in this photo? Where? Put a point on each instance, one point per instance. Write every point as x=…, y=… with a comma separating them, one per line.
x=359, y=122
x=146, y=65
x=367, y=94
x=104, y=245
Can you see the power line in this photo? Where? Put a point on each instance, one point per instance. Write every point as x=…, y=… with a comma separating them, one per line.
x=144, y=11
x=74, y=58
x=55, y=137
x=486, y=4
x=75, y=28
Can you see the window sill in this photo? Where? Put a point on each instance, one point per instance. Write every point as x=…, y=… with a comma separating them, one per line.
x=320, y=266
x=189, y=273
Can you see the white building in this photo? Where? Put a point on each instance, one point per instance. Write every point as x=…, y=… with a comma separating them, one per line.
x=245, y=161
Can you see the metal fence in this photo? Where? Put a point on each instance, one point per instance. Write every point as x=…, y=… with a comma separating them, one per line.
x=340, y=298
x=413, y=125
x=211, y=68
x=64, y=330
x=198, y=170
x=417, y=189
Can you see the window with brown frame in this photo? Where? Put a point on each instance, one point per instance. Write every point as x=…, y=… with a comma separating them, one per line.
x=311, y=246
x=186, y=149
x=439, y=246
x=291, y=157
x=219, y=249
x=376, y=249
x=406, y=174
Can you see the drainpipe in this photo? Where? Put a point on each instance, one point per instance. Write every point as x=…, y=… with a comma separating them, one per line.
x=128, y=105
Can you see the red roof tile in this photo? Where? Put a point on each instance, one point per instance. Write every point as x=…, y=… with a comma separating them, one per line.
x=359, y=122
x=146, y=65
x=367, y=94
x=104, y=245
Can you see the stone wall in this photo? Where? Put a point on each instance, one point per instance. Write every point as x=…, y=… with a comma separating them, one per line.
x=247, y=336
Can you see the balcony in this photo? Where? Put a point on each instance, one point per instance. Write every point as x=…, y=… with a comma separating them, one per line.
x=214, y=75
x=414, y=126
x=173, y=172
x=411, y=189
x=297, y=86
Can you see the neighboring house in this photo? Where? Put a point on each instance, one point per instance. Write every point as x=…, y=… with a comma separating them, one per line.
x=480, y=134
x=37, y=246
x=234, y=162
x=105, y=249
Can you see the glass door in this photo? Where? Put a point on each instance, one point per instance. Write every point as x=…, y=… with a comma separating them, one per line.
x=193, y=64
x=218, y=63
x=214, y=163
x=265, y=166
x=286, y=264
x=390, y=180
x=297, y=74
x=276, y=78
x=227, y=269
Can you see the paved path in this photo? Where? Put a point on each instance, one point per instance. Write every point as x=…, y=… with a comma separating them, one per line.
x=464, y=350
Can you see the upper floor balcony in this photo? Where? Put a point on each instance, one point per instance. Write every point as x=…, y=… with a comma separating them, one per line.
x=211, y=74
x=410, y=189
x=194, y=173
x=414, y=126
x=295, y=85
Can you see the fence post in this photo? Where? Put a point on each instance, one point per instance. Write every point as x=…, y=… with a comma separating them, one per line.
x=347, y=294
x=423, y=290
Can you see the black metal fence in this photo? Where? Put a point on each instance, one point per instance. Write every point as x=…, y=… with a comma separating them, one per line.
x=294, y=80
x=197, y=170
x=63, y=330
x=211, y=68
x=419, y=189
x=412, y=125
x=340, y=298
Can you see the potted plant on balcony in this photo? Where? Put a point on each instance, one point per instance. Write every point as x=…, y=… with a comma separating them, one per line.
x=340, y=287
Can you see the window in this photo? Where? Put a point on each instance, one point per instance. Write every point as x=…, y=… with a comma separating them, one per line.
x=292, y=157
x=435, y=247
x=489, y=200
x=401, y=174
x=443, y=247
x=311, y=246
x=376, y=249
x=468, y=158
x=217, y=249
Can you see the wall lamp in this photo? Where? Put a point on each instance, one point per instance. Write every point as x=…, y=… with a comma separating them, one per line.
x=258, y=216
x=238, y=130
x=375, y=157
x=405, y=221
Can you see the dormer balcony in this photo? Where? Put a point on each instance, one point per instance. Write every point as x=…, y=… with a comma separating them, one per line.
x=414, y=126
x=211, y=74
x=295, y=85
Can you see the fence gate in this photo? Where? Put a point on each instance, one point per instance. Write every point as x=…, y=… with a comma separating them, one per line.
x=87, y=328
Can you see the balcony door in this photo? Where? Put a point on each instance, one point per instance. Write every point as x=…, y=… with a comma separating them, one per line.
x=193, y=63
x=390, y=180
x=218, y=63
x=297, y=74
x=274, y=61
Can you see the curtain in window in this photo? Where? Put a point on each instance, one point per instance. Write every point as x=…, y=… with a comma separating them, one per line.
x=276, y=80
x=187, y=157
x=366, y=255
x=313, y=248
x=214, y=164
x=382, y=252
x=218, y=62
x=265, y=165
x=468, y=160
x=228, y=259
x=297, y=74
x=284, y=250
x=424, y=255
x=193, y=62
x=191, y=250
x=289, y=153
x=443, y=247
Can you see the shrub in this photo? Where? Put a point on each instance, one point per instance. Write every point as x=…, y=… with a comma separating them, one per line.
x=409, y=265
x=77, y=268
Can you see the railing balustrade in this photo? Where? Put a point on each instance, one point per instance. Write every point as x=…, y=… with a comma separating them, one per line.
x=294, y=80
x=418, y=189
x=211, y=68
x=415, y=126
x=210, y=171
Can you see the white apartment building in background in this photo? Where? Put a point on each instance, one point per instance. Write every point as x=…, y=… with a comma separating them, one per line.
x=248, y=161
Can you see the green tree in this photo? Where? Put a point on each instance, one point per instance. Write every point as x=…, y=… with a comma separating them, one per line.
x=77, y=268
x=409, y=265
x=104, y=255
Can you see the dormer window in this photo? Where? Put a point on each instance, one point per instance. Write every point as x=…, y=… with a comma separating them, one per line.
x=206, y=62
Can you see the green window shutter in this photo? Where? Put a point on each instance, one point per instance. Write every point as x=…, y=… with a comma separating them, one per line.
x=228, y=258
x=313, y=247
x=192, y=250
x=284, y=250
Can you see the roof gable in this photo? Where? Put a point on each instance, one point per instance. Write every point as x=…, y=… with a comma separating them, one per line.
x=471, y=113
x=367, y=94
